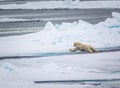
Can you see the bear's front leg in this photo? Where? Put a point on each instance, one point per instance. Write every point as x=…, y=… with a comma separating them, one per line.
x=73, y=50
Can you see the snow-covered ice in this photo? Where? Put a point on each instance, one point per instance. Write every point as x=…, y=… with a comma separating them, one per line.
x=68, y=67
x=63, y=4
x=15, y=20
x=60, y=37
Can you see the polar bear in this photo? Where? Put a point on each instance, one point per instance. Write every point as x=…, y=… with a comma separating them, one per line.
x=83, y=47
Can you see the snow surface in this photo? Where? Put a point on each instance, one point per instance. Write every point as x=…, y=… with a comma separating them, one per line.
x=69, y=67
x=15, y=20
x=63, y=4
x=60, y=37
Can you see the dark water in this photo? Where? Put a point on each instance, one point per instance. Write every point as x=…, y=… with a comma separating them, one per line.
x=56, y=16
x=48, y=54
x=38, y=18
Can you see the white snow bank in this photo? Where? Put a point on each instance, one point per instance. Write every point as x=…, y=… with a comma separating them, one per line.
x=63, y=4
x=8, y=67
x=16, y=84
x=49, y=27
x=15, y=20
x=111, y=22
x=59, y=38
x=116, y=15
x=69, y=67
x=10, y=78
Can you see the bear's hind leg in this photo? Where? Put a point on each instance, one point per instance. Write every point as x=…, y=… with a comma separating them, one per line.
x=89, y=51
x=94, y=50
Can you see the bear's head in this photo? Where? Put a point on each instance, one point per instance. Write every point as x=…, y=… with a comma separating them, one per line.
x=77, y=44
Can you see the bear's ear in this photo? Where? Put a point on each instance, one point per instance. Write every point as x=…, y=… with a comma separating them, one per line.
x=77, y=43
